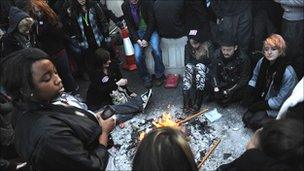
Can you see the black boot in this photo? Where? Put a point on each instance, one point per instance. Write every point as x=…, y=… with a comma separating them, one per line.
x=198, y=100
x=186, y=101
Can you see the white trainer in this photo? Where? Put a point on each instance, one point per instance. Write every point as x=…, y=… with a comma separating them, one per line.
x=146, y=97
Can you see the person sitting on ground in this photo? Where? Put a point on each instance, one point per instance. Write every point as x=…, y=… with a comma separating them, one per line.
x=277, y=146
x=51, y=136
x=272, y=82
x=164, y=149
x=198, y=56
x=108, y=87
x=230, y=71
x=139, y=18
x=18, y=35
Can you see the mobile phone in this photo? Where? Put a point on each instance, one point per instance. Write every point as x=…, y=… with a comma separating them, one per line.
x=108, y=112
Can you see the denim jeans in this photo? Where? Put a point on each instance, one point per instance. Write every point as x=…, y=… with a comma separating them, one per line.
x=159, y=67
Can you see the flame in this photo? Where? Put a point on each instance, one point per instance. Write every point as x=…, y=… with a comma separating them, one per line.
x=164, y=121
x=141, y=136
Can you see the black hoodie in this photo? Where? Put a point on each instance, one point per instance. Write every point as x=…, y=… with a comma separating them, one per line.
x=13, y=40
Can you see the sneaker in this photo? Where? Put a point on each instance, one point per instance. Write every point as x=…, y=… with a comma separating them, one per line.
x=148, y=84
x=146, y=97
x=159, y=81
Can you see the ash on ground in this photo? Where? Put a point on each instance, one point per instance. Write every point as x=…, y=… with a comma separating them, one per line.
x=201, y=133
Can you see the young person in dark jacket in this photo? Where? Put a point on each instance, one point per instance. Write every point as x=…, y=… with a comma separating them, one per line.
x=140, y=20
x=108, y=78
x=278, y=146
x=51, y=134
x=271, y=84
x=198, y=57
x=230, y=71
x=87, y=27
x=51, y=40
x=19, y=34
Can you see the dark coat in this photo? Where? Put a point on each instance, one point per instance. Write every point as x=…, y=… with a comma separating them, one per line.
x=50, y=37
x=146, y=11
x=196, y=14
x=100, y=88
x=254, y=160
x=229, y=7
x=227, y=73
x=53, y=137
x=10, y=41
x=170, y=18
x=70, y=16
x=4, y=12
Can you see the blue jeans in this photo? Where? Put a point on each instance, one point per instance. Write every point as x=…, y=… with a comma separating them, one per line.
x=159, y=67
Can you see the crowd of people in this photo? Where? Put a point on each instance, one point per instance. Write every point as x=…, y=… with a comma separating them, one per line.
x=243, y=51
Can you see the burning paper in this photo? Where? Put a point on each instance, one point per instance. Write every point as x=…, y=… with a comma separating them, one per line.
x=164, y=121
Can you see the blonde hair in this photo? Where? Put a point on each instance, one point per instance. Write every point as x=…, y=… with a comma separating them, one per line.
x=276, y=40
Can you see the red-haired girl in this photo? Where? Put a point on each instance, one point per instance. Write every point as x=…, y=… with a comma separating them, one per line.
x=272, y=82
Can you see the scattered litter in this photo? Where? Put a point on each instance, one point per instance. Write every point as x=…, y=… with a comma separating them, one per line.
x=213, y=115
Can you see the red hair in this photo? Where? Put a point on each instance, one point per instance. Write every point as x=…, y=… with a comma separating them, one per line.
x=277, y=41
x=46, y=10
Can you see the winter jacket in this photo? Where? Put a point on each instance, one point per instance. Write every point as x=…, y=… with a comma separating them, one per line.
x=169, y=16
x=255, y=160
x=275, y=98
x=196, y=14
x=100, y=88
x=190, y=56
x=229, y=7
x=73, y=24
x=54, y=137
x=233, y=72
x=51, y=37
x=13, y=40
x=293, y=9
x=4, y=13
x=146, y=12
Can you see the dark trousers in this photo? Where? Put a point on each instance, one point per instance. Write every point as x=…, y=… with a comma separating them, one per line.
x=293, y=32
x=262, y=27
x=239, y=26
x=127, y=110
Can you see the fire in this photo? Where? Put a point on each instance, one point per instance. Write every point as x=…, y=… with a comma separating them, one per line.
x=164, y=121
x=141, y=136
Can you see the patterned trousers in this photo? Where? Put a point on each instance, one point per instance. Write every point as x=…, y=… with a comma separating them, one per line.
x=197, y=74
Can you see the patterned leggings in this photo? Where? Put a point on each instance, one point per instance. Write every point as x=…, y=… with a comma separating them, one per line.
x=199, y=71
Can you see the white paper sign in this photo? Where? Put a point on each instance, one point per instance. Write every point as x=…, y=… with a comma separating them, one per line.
x=213, y=115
